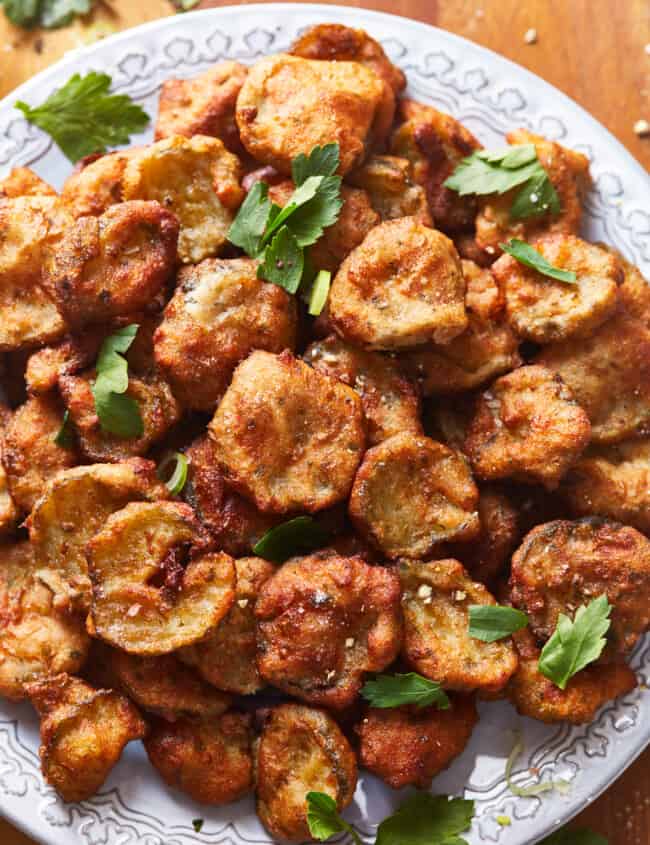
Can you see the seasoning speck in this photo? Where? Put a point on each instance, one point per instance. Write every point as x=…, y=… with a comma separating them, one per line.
x=424, y=591
x=242, y=603
x=531, y=36
x=647, y=49
x=642, y=128
x=349, y=643
x=134, y=610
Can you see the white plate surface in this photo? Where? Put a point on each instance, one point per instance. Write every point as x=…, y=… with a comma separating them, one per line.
x=491, y=96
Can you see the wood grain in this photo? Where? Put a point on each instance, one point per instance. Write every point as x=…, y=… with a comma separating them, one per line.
x=593, y=50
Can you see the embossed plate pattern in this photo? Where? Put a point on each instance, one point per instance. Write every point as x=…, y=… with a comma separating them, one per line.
x=491, y=96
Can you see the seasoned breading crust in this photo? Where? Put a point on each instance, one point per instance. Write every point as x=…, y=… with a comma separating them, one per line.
x=203, y=105
x=70, y=356
x=83, y=733
x=218, y=315
x=96, y=183
x=412, y=493
x=565, y=564
x=401, y=287
x=391, y=404
x=435, y=598
x=527, y=426
x=23, y=182
x=301, y=750
x=544, y=310
x=228, y=658
x=634, y=293
x=393, y=193
x=409, y=746
x=288, y=437
x=9, y=512
x=323, y=621
x=156, y=584
x=289, y=105
x=534, y=695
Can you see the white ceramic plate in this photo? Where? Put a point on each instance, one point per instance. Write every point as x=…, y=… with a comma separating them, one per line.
x=491, y=96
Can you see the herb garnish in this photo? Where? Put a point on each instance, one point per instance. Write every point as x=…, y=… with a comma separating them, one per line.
x=197, y=824
x=297, y=536
x=49, y=14
x=425, y=819
x=64, y=436
x=324, y=820
x=319, y=292
x=118, y=414
x=395, y=690
x=492, y=622
x=496, y=172
x=561, y=786
x=575, y=644
x=178, y=476
x=83, y=118
x=530, y=257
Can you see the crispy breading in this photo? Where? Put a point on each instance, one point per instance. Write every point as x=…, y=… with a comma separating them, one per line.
x=96, y=183
x=412, y=493
x=323, y=622
x=436, y=597
x=289, y=105
x=567, y=170
x=196, y=179
x=536, y=696
x=301, y=750
x=23, y=182
x=37, y=639
x=288, y=437
x=83, y=733
x=210, y=759
x=218, y=315
x=103, y=267
x=70, y=356
x=634, y=293
x=30, y=455
x=447, y=419
x=409, y=746
x=203, y=105
x=544, y=310
x=565, y=564
x=390, y=401
x=227, y=659
x=435, y=143
x=527, y=426
x=609, y=376
x=156, y=584
x=9, y=513
x=393, y=193
x=73, y=507
x=401, y=287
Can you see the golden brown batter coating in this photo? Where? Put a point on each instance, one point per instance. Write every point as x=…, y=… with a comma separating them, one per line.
x=435, y=598
x=564, y=564
x=401, y=287
x=412, y=493
x=301, y=750
x=289, y=438
x=634, y=293
x=73, y=354
x=83, y=733
x=527, y=426
x=23, y=182
x=392, y=190
x=218, y=315
x=323, y=622
x=9, y=512
x=96, y=183
x=407, y=746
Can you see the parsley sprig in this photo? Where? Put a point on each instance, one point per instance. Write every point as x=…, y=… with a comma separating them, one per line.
x=300, y=535
x=324, y=820
x=394, y=690
x=49, y=14
x=492, y=622
x=530, y=257
x=425, y=819
x=118, y=414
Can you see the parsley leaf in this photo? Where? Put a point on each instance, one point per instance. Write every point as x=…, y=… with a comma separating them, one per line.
x=47, y=13
x=492, y=622
x=319, y=292
x=197, y=824
x=310, y=221
x=574, y=645
x=395, y=690
x=502, y=170
x=64, y=436
x=324, y=820
x=425, y=819
x=299, y=535
x=530, y=257
x=247, y=229
x=178, y=477
x=574, y=837
x=118, y=414
x=561, y=786
x=321, y=161
x=283, y=262
x=83, y=118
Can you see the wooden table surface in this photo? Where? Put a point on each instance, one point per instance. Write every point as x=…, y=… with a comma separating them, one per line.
x=596, y=51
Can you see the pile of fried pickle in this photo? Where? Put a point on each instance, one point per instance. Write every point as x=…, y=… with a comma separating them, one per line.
x=454, y=429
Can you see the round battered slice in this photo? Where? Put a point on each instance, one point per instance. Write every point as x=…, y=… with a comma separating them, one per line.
x=635, y=291
x=335, y=42
x=390, y=401
x=23, y=182
x=209, y=759
x=301, y=750
x=409, y=746
x=74, y=354
x=393, y=193
x=401, y=287
x=612, y=481
x=545, y=310
x=218, y=315
x=288, y=437
x=37, y=638
x=289, y=105
x=227, y=659
x=436, y=598
x=196, y=179
x=95, y=184
x=410, y=494
x=155, y=587
x=73, y=508
x=83, y=733
x=324, y=621
x=9, y=512
x=527, y=426
x=609, y=376
x=30, y=454
x=563, y=565
x=534, y=695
